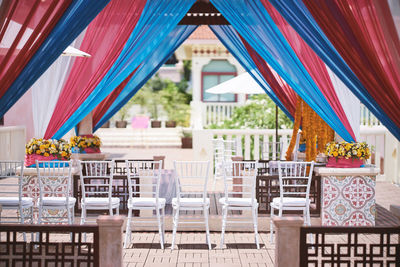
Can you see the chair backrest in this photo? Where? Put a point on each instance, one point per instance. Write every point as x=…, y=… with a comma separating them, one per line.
x=240, y=179
x=11, y=187
x=271, y=150
x=120, y=165
x=295, y=179
x=296, y=146
x=54, y=178
x=191, y=179
x=96, y=178
x=229, y=149
x=144, y=178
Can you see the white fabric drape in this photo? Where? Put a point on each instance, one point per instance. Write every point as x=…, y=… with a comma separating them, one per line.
x=350, y=103
x=47, y=88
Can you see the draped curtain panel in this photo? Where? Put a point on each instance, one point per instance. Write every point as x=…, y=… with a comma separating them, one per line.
x=298, y=15
x=104, y=40
x=144, y=72
x=364, y=34
x=251, y=20
x=43, y=32
x=312, y=63
x=237, y=47
x=48, y=88
x=158, y=19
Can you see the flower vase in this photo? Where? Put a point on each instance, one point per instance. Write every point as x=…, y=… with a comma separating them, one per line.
x=344, y=163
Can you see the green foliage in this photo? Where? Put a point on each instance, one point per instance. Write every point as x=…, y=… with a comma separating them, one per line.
x=124, y=111
x=258, y=113
x=172, y=97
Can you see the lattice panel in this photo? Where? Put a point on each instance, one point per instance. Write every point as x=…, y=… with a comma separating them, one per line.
x=361, y=246
x=47, y=247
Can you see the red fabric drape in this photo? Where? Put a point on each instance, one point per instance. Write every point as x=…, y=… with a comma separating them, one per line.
x=281, y=89
x=104, y=40
x=363, y=32
x=102, y=108
x=312, y=63
x=24, y=25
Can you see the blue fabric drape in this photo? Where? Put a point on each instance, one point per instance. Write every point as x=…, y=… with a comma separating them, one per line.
x=297, y=14
x=254, y=24
x=148, y=68
x=75, y=19
x=158, y=19
x=231, y=40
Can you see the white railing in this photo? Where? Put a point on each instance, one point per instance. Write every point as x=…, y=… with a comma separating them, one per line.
x=367, y=118
x=12, y=143
x=216, y=113
x=386, y=148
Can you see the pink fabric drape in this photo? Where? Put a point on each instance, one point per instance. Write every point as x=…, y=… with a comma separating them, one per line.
x=24, y=25
x=104, y=40
x=312, y=63
x=363, y=32
x=282, y=90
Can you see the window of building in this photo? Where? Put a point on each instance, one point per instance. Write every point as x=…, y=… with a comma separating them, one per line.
x=214, y=73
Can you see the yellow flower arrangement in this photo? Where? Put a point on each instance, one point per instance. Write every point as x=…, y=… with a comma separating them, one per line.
x=58, y=148
x=348, y=150
x=85, y=141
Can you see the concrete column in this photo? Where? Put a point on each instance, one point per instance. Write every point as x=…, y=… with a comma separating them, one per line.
x=110, y=232
x=287, y=247
x=85, y=127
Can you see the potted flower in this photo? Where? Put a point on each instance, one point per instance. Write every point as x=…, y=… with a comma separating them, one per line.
x=186, y=139
x=46, y=150
x=347, y=155
x=106, y=124
x=122, y=114
x=85, y=144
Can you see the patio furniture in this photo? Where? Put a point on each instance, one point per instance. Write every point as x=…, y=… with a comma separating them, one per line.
x=11, y=194
x=55, y=185
x=191, y=188
x=96, y=182
x=239, y=194
x=294, y=190
x=219, y=156
x=271, y=150
x=145, y=195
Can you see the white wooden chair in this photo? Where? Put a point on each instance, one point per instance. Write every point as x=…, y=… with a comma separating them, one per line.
x=219, y=157
x=239, y=194
x=271, y=150
x=294, y=185
x=296, y=146
x=55, y=191
x=191, y=188
x=96, y=179
x=145, y=195
x=11, y=195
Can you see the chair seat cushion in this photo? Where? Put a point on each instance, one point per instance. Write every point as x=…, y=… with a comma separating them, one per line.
x=290, y=201
x=100, y=201
x=236, y=201
x=145, y=202
x=191, y=202
x=14, y=201
x=58, y=201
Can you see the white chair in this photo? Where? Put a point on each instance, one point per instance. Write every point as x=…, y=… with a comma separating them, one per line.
x=271, y=150
x=55, y=191
x=96, y=179
x=11, y=195
x=219, y=157
x=145, y=195
x=191, y=188
x=239, y=194
x=229, y=150
x=296, y=146
x=294, y=185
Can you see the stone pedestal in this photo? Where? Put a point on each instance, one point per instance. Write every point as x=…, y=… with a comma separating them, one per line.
x=110, y=239
x=287, y=247
x=348, y=196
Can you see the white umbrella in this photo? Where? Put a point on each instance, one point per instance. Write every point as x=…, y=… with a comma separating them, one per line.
x=241, y=84
x=73, y=52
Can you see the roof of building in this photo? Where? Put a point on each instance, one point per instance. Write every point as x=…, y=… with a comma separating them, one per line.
x=203, y=32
